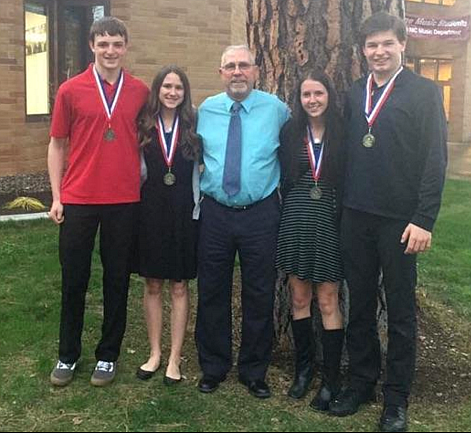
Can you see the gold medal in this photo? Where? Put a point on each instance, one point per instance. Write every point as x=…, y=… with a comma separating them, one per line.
x=369, y=140
x=315, y=193
x=110, y=135
x=169, y=179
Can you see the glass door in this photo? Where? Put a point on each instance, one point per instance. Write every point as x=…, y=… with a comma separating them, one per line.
x=75, y=20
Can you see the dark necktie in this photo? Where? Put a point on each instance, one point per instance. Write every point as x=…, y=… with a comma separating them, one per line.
x=231, y=176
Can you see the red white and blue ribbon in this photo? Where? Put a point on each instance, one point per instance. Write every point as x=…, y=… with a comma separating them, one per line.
x=371, y=113
x=109, y=106
x=316, y=164
x=168, y=152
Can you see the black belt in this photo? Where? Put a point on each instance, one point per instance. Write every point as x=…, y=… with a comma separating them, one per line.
x=238, y=208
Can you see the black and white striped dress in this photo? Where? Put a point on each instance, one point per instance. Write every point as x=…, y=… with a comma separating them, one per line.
x=308, y=239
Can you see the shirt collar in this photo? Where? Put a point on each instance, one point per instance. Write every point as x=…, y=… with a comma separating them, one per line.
x=247, y=103
x=90, y=71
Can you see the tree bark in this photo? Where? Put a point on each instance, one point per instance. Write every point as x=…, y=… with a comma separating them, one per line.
x=289, y=37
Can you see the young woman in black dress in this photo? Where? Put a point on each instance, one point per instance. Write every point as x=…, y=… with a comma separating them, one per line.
x=167, y=231
x=308, y=243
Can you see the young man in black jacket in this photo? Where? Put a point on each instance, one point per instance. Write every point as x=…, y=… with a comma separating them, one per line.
x=396, y=161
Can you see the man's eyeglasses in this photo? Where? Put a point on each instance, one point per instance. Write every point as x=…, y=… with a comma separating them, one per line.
x=231, y=67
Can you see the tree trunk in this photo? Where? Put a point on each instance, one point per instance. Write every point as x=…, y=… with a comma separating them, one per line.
x=289, y=37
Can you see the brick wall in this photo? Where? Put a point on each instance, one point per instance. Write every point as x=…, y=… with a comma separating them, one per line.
x=190, y=33
x=22, y=145
x=238, y=21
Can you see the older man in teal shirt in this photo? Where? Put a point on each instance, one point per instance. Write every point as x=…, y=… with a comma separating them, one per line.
x=239, y=214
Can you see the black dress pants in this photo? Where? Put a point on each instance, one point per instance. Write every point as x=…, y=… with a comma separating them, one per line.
x=371, y=243
x=252, y=233
x=76, y=244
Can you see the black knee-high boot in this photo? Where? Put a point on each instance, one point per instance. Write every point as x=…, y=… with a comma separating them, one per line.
x=332, y=344
x=304, y=346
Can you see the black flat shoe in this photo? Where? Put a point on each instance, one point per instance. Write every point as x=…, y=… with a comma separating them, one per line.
x=145, y=374
x=169, y=381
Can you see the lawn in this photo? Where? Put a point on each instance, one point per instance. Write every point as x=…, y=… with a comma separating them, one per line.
x=445, y=270
x=29, y=317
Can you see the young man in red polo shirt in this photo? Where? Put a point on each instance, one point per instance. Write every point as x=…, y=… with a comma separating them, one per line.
x=94, y=168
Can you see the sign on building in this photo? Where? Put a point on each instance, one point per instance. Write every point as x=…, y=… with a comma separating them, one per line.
x=420, y=27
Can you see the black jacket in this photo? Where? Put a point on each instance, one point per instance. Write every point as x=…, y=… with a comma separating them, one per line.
x=402, y=175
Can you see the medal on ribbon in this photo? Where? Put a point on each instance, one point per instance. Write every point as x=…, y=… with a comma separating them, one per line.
x=168, y=152
x=109, y=106
x=371, y=113
x=316, y=192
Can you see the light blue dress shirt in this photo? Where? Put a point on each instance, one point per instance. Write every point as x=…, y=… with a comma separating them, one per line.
x=262, y=117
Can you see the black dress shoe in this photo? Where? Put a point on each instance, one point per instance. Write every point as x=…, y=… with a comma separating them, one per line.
x=144, y=374
x=349, y=401
x=208, y=384
x=258, y=388
x=393, y=419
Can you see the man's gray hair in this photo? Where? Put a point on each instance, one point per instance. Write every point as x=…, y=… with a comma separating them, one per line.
x=234, y=48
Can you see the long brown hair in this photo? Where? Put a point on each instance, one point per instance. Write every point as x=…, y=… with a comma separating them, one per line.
x=146, y=122
x=295, y=131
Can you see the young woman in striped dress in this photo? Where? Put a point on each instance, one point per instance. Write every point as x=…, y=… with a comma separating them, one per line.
x=308, y=244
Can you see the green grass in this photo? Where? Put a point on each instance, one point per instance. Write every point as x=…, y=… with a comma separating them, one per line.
x=29, y=318
x=445, y=270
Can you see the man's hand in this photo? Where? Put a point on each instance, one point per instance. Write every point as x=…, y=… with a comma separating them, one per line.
x=57, y=212
x=56, y=156
x=419, y=239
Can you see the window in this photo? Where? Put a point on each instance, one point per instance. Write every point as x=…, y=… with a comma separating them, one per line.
x=37, y=58
x=435, y=2
x=56, y=47
x=438, y=70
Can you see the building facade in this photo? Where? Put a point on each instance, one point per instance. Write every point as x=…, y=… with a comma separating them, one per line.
x=440, y=49
x=43, y=42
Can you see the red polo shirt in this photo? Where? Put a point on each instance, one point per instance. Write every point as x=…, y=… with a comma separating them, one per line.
x=99, y=171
